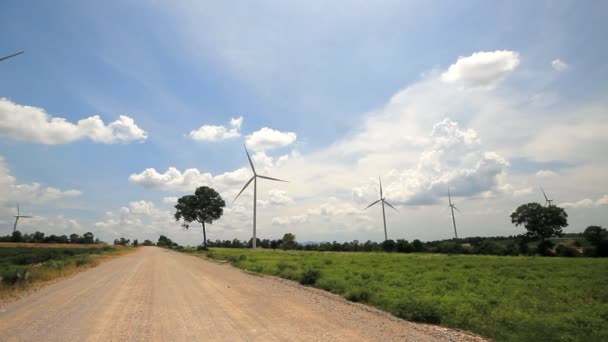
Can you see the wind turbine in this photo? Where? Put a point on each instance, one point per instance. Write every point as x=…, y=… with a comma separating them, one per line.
x=13, y=55
x=254, y=179
x=383, y=201
x=18, y=216
x=452, y=207
x=547, y=200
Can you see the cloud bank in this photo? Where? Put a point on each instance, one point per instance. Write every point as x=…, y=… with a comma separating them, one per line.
x=32, y=124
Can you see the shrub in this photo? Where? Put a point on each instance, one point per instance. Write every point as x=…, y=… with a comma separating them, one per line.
x=310, y=277
x=544, y=248
x=418, y=311
x=358, y=295
x=83, y=260
x=565, y=251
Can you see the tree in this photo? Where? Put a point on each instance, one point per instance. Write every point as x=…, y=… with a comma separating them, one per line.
x=541, y=222
x=595, y=234
x=289, y=241
x=88, y=238
x=205, y=206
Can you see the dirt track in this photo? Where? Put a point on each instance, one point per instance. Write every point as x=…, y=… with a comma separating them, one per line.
x=160, y=295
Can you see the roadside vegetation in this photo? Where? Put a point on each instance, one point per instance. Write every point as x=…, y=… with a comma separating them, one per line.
x=23, y=267
x=504, y=298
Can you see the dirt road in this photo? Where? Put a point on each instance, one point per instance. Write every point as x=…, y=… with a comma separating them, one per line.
x=160, y=295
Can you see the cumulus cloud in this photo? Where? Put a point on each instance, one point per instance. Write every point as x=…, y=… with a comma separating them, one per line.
x=453, y=157
x=289, y=220
x=559, y=65
x=175, y=180
x=279, y=197
x=586, y=203
x=170, y=200
x=217, y=133
x=481, y=69
x=545, y=174
x=268, y=138
x=172, y=179
x=33, y=124
x=11, y=191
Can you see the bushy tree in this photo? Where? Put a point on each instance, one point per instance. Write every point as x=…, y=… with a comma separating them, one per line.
x=289, y=241
x=388, y=245
x=418, y=246
x=595, y=234
x=205, y=206
x=540, y=222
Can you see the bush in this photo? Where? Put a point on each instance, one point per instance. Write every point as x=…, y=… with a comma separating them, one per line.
x=544, y=248
x=565, y=251
x=418, y=311
x=83, y=260
x=358, y=295
x=310, y=277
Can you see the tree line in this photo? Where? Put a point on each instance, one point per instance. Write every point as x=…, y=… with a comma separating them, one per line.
x=40, y=237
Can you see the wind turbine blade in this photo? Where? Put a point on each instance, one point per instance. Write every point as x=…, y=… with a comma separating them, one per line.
x=372, y=204
x=250, y=162
x=243, y=189
x=26, y=216
x=13, y=55
x=385, y=202
x=453, y=206
x=274, y=179
x=380, y=180
x=544, y=194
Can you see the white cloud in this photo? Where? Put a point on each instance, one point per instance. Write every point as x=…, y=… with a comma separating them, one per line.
x=559, y=65
x=452, y=157
x=170, y=200
x=11, y=191
x=279, y=197
x=217, y=133
x=287, y=220
x=172, y=179
x=545, y=174
x=586, y=203
x=268, y=138
x=33, y=124
x=175, y=180
x=481, y=69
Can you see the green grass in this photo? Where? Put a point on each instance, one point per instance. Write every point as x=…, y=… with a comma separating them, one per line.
x=21, y=267
x=504, y=298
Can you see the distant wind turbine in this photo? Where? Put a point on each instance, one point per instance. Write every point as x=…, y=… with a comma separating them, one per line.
x=254, y=179
x=13, y=55
x=547, y=200
x=383, y=201
x=452, y=207
x=18, y=216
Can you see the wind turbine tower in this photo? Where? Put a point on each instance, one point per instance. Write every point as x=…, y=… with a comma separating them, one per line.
x=13, y=55
x=254, y=179
x=18, y=216
x=452, y=207
x=383, y=201
x=547, y=200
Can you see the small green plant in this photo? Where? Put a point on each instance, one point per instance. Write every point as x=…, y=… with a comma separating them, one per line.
x=310, y=277
x=417, y=311
x=83, y=260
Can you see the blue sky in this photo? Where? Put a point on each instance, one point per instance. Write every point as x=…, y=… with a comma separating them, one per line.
x=348, y=91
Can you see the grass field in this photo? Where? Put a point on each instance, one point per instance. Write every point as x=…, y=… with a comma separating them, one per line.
x=22, y=267
x=504, y=298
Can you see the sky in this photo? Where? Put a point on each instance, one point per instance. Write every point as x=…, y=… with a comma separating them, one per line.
x=118, y=108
